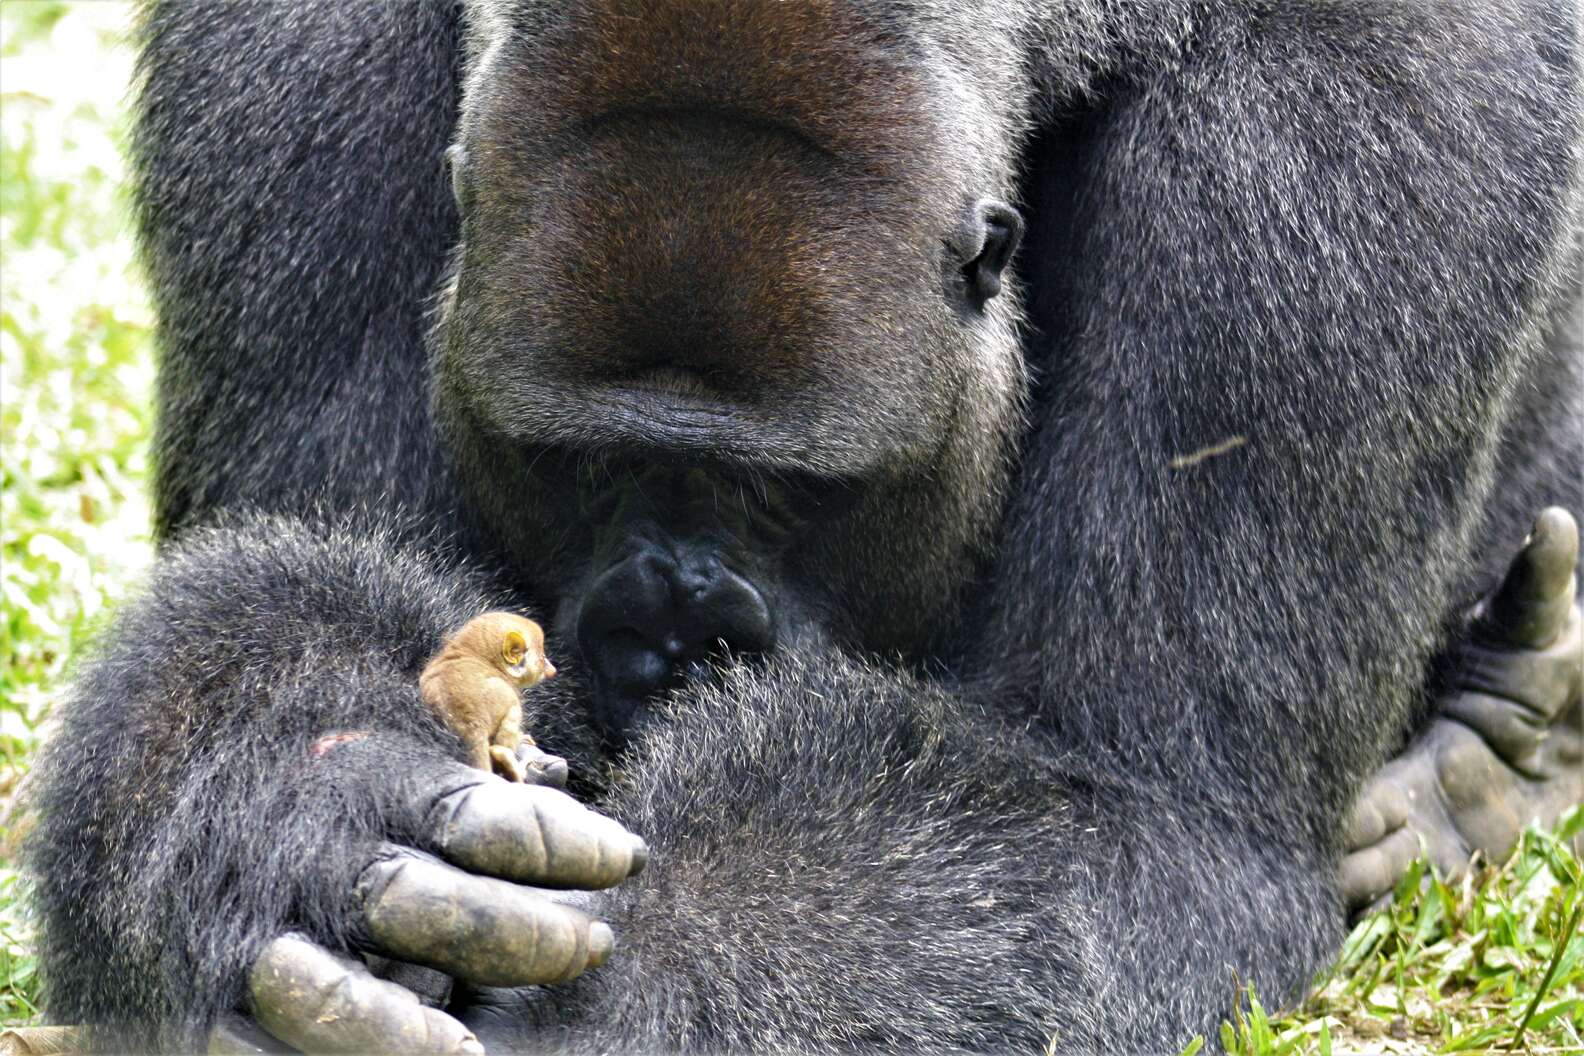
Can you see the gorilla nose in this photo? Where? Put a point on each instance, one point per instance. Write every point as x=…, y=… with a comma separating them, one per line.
x=663, y=608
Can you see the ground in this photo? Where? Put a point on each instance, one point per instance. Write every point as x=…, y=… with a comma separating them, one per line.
x=1477, y=966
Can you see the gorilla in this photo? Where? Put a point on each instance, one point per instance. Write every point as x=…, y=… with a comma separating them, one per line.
x=998, y=478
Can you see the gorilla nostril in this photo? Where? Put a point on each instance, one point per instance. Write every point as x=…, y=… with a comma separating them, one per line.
x=699, y=575
x=628, y=659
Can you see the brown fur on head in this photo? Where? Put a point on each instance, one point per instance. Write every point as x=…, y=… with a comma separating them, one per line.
x=513, y=645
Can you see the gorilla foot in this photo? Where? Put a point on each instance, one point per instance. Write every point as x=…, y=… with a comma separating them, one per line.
x=1507, y=747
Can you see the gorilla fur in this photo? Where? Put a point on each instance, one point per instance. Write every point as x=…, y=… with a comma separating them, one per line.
x=1076, y=679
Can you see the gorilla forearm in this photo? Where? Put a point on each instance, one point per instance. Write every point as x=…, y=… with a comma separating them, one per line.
x=846, y=857
x=881, y=910
x=187, y=814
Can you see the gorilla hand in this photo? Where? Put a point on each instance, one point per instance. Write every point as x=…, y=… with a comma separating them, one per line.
x=1506, y=745
x=463, y=912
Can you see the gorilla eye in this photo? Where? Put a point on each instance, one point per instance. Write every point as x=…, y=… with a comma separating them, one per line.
x=980, y=250
x=456, y=166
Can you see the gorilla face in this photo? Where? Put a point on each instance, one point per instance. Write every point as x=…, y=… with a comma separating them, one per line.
x=765, y=285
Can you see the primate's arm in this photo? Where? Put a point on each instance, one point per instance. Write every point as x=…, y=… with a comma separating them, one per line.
x=249, y=756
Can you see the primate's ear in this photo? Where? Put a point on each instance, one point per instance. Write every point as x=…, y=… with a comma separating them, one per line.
x=982, y=248
x=514, y=647
x=456, y=160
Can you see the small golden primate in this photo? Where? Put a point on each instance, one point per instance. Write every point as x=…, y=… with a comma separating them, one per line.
x=473, y=683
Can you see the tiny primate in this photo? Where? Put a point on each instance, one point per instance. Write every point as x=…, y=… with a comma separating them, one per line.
x=474, y=684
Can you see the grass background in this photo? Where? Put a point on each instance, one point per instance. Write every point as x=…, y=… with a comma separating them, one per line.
x=1494, y=963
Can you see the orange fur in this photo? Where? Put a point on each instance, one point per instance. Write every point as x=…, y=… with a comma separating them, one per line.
x=473, y=684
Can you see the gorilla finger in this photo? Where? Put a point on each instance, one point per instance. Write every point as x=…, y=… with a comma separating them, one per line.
x=534, y=834
x=427, y=985
x=541, y=767
x=1373, y=872
x=1531, y=607
x=234, y=1035
x=317, y=1001
x=1515, y=729
x=1380, y=809
x=475, y=927
x=1542, y=679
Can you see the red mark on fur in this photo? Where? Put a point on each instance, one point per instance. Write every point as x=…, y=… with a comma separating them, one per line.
x=323, y=745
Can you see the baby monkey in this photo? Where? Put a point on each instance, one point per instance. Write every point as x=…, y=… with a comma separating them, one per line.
x=473, y=684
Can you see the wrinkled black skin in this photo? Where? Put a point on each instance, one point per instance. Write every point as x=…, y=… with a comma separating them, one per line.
x=1125, y=798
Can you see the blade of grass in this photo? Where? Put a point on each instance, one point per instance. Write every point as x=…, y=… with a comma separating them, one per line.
x=1569, y=932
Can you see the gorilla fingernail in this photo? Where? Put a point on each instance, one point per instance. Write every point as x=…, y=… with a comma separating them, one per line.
x=640, y=856
x=601, y=941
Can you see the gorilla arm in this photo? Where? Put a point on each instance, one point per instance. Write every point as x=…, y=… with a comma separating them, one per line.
x=844, y=859
x=1270, y=244
x=228, y=772
x=849, y=858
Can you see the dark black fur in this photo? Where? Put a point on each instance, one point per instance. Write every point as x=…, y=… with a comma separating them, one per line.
x=1343, y=237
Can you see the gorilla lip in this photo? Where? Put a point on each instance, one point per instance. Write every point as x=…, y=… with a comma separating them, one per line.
x=671, y=381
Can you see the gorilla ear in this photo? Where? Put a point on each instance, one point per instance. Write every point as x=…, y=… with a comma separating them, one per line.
x=456, y=165
x=982, y=248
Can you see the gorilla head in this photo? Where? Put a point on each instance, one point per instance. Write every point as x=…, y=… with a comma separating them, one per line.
x=729, y=281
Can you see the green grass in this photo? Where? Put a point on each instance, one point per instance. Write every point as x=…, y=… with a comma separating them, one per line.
x=1491, y=964
x=1461, y=968
x=75, y=377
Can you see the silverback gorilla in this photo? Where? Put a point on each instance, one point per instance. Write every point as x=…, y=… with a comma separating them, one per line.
x=989, y=647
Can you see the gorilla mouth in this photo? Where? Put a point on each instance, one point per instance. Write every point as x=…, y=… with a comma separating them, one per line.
x=694, y=386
